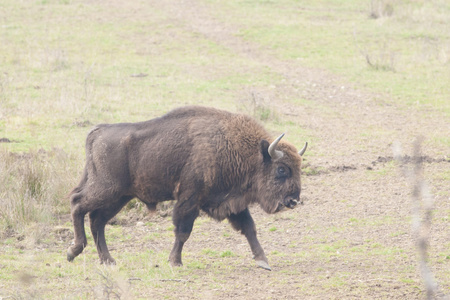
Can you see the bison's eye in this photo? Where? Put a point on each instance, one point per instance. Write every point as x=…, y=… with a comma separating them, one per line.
x=282, y=172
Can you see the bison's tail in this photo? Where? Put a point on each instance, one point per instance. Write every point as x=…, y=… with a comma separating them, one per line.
x=79, y=188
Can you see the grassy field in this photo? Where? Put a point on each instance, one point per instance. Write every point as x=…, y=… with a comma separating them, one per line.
x=349, y=77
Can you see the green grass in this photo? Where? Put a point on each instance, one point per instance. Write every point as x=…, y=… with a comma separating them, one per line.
x=408, y=51
x=385, y=170
x=210, y=252
x=227, y=253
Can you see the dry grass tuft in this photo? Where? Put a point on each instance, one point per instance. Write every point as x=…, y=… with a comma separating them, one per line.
x=112, y=285
x=34, y=188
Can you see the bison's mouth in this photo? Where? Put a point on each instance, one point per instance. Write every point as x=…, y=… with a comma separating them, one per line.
x=288, y=202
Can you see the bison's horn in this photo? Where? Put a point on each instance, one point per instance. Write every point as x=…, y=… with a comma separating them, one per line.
x=301, y=152
x=275, y=154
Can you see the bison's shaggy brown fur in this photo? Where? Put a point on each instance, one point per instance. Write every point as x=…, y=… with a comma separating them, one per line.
x=204, y=158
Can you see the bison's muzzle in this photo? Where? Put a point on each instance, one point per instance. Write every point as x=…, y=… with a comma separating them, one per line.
x=288, y=202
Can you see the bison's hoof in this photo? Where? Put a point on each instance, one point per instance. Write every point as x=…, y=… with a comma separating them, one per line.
x=70, y=256
x=263, y=264
x=108, y=261
x=176, y=264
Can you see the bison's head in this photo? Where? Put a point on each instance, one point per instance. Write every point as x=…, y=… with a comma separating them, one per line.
x=279, y=180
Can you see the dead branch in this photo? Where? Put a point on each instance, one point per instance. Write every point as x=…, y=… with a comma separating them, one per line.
x=422, y=214
x=176, y=280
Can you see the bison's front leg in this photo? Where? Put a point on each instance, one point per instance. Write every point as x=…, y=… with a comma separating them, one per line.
x=184, y=215
x=243, y=222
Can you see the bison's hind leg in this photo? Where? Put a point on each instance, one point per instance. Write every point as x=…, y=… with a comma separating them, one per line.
x=78, y=213
x=98, y=219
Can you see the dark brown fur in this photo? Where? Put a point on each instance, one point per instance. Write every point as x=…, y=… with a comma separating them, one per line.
x=204, y=158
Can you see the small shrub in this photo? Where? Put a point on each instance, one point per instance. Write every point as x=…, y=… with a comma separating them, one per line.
x=258, y=105
x=111, y=285
x=379, y=57
x=381, y=8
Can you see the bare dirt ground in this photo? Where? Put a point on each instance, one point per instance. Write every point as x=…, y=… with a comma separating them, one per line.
x=352, y=237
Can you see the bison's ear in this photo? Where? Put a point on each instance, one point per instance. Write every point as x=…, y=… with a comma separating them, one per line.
x=265, y=150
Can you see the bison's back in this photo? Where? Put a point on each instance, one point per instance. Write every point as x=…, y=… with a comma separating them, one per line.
x=210, y=148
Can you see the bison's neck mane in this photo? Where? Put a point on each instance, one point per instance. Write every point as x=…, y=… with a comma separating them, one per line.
x=235, y=159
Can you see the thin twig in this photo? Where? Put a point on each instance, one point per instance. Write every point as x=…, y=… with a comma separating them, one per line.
x=376, y=279
x=134, y=279
x=176, y=280
x=422, y=204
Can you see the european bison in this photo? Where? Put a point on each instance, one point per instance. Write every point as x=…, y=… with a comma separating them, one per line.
x=206, y=159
